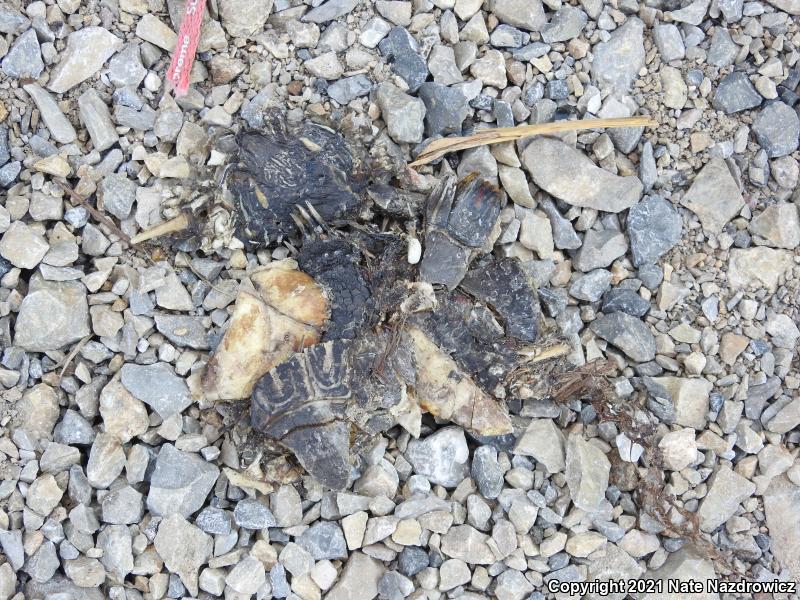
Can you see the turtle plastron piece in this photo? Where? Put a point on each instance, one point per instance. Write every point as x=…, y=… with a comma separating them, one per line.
x=284, y=312
x=447, y=392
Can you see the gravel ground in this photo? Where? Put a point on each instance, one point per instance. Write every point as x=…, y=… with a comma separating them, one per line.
x=670, y=251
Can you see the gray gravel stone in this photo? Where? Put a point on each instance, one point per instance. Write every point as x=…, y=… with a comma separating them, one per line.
x=52, y=315
x=445, y=109
x=627, y=333
x=735, y=93
x=412, y=560
x=627, y=301
x=600, y=248
x=183, y=548
x=117, y=194
x=324, y=540
x=654, y=227
x=486, y=472
x=402, y=113
x=157, y=386
x=714, y=196
x=43, y=564
x=87, y=50
x=126, y=68
x=58, y=125
x=442, y=65
x=401, y=50
x=180, y=482
x=96, y=117
x=669, y=42
x=592, y=286
x=122, y=506
x=4, y=153
x=617, y=62
x=24, y=59
x=11, y=543
x=723, y=49
x=568, y=174
x=777, y=129
x=252, y=514
x=183, y=330
x=73, y=429
x=330, y=10
x=214, y=521
x=347, y=89
x=587, y=471
x=567, y=23
x=525, y=14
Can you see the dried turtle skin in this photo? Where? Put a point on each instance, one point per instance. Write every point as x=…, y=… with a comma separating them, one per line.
x=280, y=167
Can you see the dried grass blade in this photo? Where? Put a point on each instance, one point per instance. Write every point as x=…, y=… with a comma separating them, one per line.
x=438, y=148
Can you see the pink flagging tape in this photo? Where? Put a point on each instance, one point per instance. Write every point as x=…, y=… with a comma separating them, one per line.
x=186, y=46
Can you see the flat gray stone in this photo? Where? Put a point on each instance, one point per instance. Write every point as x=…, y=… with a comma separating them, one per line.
x=117, y=194
x=714, y=196
x=616, y=63
x=735, y=93
x=777, y=129
x=587, y=470
x=567, y=23
x=568, y=174
x=126, y=67
x=403, y=114
x=347, y=89
x=243, y=18
x=24, y=59
x=57, y=124
x=525, y=14
x=627, y=333
x=330, y=10
x=443, y=458
x=782, y=509
x=180, y=482
x=324, y=541
x=52, y=315
x=87, y=50
x=727, y=489
x=654, y=227
x=183, y=330
x=252, y=514
x=158, y=386
x=183, y=548
x=97, y=119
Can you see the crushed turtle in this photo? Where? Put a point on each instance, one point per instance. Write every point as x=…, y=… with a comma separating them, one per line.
x=349, y=338
x=378, y=344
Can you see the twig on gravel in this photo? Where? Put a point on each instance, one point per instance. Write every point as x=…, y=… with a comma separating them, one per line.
x=69, y=357
x=438, y=148
x=105, y=220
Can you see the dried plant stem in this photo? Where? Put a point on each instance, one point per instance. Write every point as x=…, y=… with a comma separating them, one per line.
x=438, y=148
x=104, y=219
